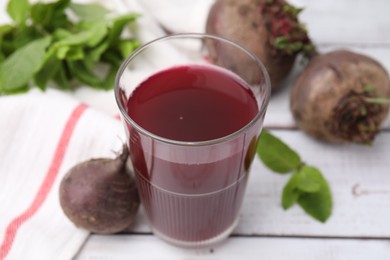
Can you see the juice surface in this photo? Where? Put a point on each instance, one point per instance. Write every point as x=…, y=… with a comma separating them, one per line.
x=192, y=103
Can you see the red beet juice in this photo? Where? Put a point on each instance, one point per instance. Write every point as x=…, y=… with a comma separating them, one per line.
x=192, y=191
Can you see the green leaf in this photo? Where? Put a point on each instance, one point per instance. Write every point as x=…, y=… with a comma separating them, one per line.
x=290, y=193
x=62, y=51
x=19, y=68
x=61, y=77
x=126, y=47
x=380, y=101
x=19, y=90
x=308, y=179
x=295, y=11
x=118, y=24
x=95, y=53
x=284, y=43
x=18, y=10
x=47, y=72
x=77, y=45
x=113, y=57
x=317, y=204
x=97, y=33
x=70, y=52
x=110, y=78
x=89, y=12
x=41, y=13
x=5, y=28
x=89, y=37
x=50, y=15
x=75, y=53
x=276, y=155
x=61, y=34
x=18, y=38
x=80, y=71
x=308, y=187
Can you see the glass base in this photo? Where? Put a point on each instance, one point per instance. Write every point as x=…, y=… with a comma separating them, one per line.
x=197, y=244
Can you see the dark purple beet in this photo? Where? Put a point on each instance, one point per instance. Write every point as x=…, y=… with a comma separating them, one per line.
x=100, y=195
x=270, y=29
x=335, y=98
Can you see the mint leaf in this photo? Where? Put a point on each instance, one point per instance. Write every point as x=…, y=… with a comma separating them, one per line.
x=81, y=72
x=19, y=68
x=110, y=78
x=127, y=46
x=19, y=90
x=118, y=24
x=89, y=37
x=276, y=155
x=18, y=10
x=62, y=76
x=306, y=186
x=47, y=72
x=113, y=57
x=309, y=179
x=75, y=53
x=4, y=30
x=95, y=53
x=18, y=38
x=89, y=12
x=290, y=193
x=50, y=16
x=317, y=204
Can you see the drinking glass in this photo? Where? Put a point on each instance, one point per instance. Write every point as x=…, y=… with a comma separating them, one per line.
x=192, y=191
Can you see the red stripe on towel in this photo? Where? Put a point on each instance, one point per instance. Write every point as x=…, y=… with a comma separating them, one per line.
x=47, y=183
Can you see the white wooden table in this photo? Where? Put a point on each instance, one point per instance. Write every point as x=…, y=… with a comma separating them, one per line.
x=359, y=176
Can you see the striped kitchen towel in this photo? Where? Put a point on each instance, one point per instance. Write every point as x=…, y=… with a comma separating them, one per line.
x=42, y=135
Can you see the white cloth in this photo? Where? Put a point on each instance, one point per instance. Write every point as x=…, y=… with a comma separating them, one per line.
x=179, y=16
x=44, y=134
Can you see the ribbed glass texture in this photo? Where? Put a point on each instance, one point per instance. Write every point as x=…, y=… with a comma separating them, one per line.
x=192, y=220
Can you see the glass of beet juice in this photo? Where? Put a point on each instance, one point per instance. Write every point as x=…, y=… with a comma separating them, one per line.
x=192, y=128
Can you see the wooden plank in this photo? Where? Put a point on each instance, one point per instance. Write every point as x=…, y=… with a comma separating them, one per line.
x=359, y=179
x=347, y=21
x=150, y=247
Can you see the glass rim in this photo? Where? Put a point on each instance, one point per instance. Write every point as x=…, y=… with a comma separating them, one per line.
x=128, y=119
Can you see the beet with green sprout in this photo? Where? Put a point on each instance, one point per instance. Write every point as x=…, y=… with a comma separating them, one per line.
x=341, y=97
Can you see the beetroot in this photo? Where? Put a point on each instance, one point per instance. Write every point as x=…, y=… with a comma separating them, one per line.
x=341, y=97
x=268, y=28
x=100, y=195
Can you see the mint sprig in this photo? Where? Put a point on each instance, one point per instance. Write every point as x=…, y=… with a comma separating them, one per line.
x=306, y=187
x=62, y=42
